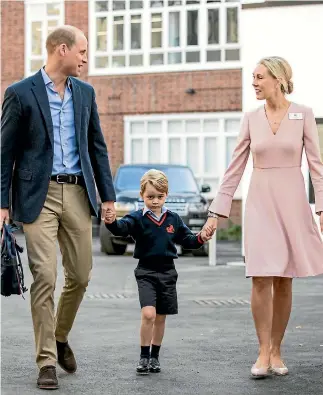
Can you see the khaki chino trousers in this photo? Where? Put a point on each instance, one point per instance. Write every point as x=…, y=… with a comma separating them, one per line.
x=65, y=218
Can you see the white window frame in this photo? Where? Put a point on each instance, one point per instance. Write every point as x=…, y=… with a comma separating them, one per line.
x=146, y=12
x=30, y=17
x=221, y=136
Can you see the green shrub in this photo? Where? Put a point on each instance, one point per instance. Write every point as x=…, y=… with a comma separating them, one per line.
x=232, y=233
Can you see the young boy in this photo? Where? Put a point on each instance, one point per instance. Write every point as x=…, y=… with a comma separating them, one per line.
x=155, y=230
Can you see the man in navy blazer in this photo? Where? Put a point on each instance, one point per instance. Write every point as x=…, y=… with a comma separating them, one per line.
x=52, y=155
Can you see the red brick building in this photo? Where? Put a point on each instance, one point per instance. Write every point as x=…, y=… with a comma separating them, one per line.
x=167, y=74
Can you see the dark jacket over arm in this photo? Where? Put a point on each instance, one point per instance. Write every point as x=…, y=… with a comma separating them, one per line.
x=186, y=238
x=99, y=156
x=10, y=126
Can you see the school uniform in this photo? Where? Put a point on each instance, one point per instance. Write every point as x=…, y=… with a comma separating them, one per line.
x=155, y=247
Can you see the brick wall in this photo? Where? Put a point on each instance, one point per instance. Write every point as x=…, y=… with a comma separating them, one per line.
x=12, y=42
x=118, y=96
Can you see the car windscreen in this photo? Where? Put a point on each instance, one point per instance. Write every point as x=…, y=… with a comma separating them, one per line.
x=180, y=179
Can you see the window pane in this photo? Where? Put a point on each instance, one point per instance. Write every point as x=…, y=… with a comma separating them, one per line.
x=155, y=127
x=51, y=25
x=231, y=143
x=213, y=56
x=137, y=150
x=174, y=29
x=172, y=3
x=175, y=58
x=211, y=126
x=101, y=62
x=136, y=60
x=192, y=2
x=192, y=127
x=156, y=30
x=118, y=34
x=192, y=57
x=192, y=27
x=101, y=31
x=154, y=149
x=232, y=126
x=213, y=26
x=53, y=9
x=118, y=61
x=119, y=5
x=137, y=128
x=135, y=4
x=36, y=38
x=101, y=6
x=232, y=25
x=232, y=54
x=157, y=59
x=174, y=151
x=210, y=155
x=175, y=127
x=192, y=154
x=35, y=65
x=156, y=3
x=135, y=31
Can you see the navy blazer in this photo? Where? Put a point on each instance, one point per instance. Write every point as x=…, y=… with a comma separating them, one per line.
x=27, y=147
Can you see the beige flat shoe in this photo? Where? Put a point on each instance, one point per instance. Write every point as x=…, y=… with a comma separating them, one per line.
x=279, y=371
x=259, y=372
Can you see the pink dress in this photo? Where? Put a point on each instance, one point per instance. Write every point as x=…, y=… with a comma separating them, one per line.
x=281, y=236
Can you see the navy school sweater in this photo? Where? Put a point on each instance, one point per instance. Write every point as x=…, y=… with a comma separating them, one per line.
x=155, y=238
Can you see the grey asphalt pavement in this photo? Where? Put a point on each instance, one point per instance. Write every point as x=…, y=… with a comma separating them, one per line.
x=208, y=349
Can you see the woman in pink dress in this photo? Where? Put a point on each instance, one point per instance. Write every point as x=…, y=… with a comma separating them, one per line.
x=282, y=240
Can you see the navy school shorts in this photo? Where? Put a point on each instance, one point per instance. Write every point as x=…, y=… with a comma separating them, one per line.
x=156, y=282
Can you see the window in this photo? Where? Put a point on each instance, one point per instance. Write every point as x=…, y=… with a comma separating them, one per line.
x=205, y=142
x=147, y=36
x=40, y=19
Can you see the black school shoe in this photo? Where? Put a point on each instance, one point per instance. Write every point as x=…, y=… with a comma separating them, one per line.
x=143, y=366
x=154, y=365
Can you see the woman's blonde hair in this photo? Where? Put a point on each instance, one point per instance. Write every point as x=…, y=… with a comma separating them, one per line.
x=156, y=178
x=280, y=69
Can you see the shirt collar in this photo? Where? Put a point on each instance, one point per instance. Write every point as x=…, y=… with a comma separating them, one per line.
x=48, y=81
x=146, y=210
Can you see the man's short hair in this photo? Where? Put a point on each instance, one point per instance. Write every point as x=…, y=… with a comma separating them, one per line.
x=61, y=35
x=156, y=178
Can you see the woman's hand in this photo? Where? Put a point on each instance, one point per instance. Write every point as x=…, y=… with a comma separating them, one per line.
x=210, y=226
x=321, y=221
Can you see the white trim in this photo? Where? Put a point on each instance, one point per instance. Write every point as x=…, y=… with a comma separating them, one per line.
x=146, y=49
x=32, y=16
x=220, y=134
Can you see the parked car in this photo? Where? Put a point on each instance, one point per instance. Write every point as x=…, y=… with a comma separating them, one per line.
x=184, y=198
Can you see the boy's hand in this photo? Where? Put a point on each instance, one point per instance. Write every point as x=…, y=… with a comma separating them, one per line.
x=204, y=236
x=210, y=226
x=109, y=217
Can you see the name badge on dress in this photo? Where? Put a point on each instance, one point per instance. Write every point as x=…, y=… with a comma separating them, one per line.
x=295, y=115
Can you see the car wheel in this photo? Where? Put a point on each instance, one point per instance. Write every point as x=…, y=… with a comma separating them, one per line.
x=203, y=251
x=107, y=245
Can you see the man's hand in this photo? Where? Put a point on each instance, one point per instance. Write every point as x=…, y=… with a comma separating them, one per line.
x=4, y=216
x=109, y=217
x=321, y=221
x=107, y=207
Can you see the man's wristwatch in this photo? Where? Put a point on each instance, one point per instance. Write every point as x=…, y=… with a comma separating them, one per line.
x=212, y=215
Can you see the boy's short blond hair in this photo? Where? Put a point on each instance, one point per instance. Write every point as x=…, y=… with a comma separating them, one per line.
x=156, y=178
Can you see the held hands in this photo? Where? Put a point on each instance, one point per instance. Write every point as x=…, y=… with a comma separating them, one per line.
x=209, y=228
x=108, y=212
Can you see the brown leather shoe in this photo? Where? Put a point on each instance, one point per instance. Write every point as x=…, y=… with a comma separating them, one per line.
x=65, y=357
x=47, y=379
